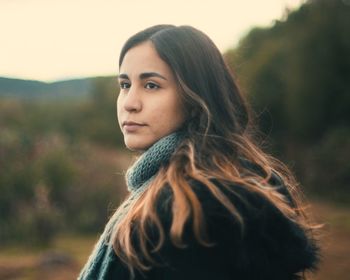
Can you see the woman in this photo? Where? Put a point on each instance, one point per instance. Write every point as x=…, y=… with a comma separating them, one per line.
x=205, y=202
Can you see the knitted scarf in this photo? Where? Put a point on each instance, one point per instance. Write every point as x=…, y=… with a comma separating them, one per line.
x=138, y=177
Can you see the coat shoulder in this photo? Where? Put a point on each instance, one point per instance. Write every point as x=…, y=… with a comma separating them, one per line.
x=267, y=243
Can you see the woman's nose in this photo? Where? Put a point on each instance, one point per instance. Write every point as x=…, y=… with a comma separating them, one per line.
x=132, y=100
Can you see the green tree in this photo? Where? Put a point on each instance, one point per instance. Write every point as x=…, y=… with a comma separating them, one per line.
x=296, y=74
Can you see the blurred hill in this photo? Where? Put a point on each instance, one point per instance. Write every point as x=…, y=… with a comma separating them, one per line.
x=76, y=89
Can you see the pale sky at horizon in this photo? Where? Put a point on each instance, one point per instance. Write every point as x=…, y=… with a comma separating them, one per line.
x=61, y=39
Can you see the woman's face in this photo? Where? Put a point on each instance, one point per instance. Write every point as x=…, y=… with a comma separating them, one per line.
x=149, y=105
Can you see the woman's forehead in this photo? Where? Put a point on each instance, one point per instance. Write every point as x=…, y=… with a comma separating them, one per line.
x=144, y=58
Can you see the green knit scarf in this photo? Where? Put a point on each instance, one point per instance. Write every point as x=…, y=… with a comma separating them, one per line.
x=138, y=177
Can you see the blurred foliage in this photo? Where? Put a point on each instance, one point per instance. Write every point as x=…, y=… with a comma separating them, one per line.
x=53, y=176
x=297, y=76
x=328, y=166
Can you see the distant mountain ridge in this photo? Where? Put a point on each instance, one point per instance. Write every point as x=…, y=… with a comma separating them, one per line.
x=75, y=89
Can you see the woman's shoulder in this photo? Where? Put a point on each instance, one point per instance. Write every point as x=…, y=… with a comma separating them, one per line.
x=249, y=204
x=253, y=207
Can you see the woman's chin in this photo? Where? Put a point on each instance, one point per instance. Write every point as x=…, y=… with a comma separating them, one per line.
x=137, y=146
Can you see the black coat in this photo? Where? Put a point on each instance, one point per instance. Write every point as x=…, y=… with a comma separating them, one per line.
x=271, y=247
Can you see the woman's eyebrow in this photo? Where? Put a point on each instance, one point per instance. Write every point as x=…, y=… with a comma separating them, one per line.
x=147, y=75
x=143, y=76
x=123, y=76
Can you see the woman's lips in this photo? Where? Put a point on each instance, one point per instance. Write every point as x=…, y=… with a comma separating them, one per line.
x=132, y=126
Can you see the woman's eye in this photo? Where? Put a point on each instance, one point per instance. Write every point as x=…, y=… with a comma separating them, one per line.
x=124, y=85
x=151, y=85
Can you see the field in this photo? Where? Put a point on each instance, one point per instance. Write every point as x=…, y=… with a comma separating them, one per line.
x=335, y=241
x=67, y=255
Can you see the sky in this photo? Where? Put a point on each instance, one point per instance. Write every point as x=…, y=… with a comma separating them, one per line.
x=52, y=40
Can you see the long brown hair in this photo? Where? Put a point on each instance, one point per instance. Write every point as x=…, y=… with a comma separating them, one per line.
x=219, y=132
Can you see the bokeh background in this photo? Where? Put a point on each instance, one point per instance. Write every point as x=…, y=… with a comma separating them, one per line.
x=62, y=160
